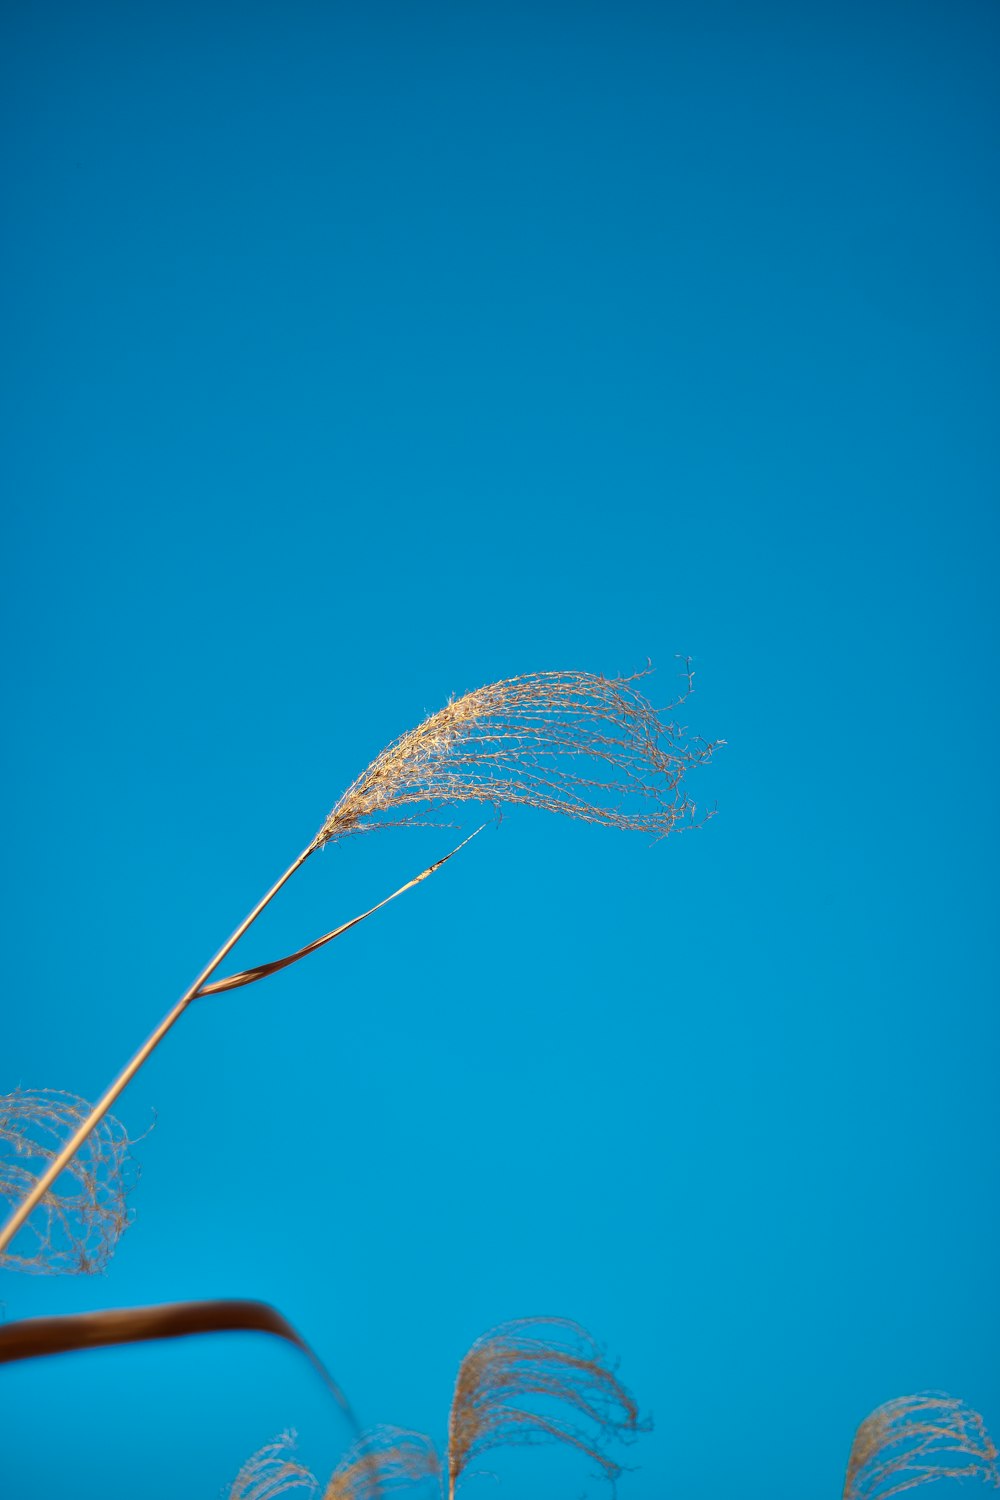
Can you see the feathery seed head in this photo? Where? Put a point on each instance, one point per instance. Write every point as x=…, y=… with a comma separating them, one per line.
x=384, y=1460
x=79, y=1221
x=576, y=743
x=547, y=1359
x=915, y=1439
x=272, y=1471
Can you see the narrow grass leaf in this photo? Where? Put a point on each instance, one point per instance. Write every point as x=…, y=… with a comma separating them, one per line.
x=263, y=971
x=34, y=1338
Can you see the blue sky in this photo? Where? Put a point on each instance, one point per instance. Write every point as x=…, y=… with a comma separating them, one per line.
x=356, y=356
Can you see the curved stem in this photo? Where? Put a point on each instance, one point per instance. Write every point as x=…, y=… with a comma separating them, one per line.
x=100, y=1109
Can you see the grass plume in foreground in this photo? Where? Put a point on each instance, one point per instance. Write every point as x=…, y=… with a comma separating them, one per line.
x=80, y=1220
x=575, y=743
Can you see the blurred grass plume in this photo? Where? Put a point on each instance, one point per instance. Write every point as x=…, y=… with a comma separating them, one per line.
x=550, y=1360
x=272, y=1471
x=547, y=1359
x=77, y=1224
x=916, y=1439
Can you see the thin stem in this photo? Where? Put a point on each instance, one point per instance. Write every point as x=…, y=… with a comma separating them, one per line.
x=101, y=1108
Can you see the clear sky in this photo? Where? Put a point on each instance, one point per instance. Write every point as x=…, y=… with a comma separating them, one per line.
x=357, y=355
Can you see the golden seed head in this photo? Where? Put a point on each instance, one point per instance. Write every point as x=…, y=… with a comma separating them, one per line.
x=587, y=746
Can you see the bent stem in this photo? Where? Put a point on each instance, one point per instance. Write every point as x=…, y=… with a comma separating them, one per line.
x=101, y=1108
x=264, y=971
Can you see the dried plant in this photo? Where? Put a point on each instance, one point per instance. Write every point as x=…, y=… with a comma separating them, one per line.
x=575, y=743
x=386, y=1460
x=547, y=1360
x=272, y=1471
x=80, y=1219
x=533, y=1359
x=915, y=1439
x=35, y=1190
x=588, y=746
x=36, y=1338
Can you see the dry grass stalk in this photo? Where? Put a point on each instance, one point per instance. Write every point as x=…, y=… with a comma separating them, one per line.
x=915, y=1439
x=264, y=971
x=62, y=1158
x=588, y=746
x=386, y=1460
x=78, y=1222
x=271, y=1472
x=545, y=1359
x=35, y=1190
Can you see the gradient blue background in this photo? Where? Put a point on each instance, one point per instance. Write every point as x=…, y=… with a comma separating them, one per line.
x=359, y=355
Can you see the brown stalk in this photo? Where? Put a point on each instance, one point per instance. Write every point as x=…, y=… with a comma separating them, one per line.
x=34, y=1338
x=263, y=971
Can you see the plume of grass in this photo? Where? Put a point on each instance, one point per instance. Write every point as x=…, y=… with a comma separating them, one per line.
x=547, y=1360
x=914, y=1440
x=272, y=1471
x=385, y=1461
x=532, y=1359
x=79, y=1221
x=575, y=743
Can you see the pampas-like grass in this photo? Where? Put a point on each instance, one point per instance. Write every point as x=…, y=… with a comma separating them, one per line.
x=904, y=1443
x=272, y=1471
x=81, y=1219
x=914, y=1440
x=575, y=743
x=532, y=1359
x=587, y=746
x=385, y=1461
x=550, y=1360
